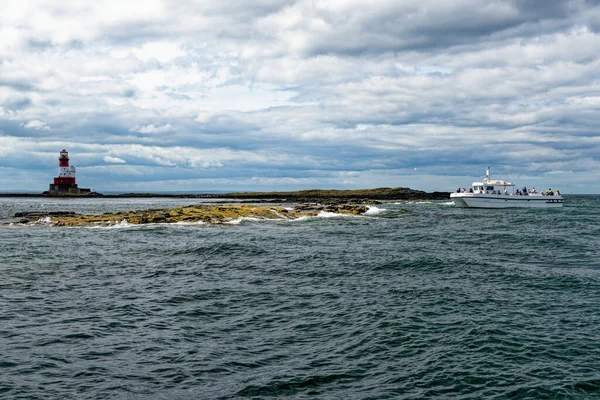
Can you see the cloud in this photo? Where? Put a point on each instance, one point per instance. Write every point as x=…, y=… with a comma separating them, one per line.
x=114, y=160
x=151, y=128
x=294, y=93
x=162, y=51
x=37, y=125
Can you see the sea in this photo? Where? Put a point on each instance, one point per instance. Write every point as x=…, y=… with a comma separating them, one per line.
x=414, y=300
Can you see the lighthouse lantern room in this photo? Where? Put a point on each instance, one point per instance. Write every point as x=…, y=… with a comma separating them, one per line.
x=65, y=181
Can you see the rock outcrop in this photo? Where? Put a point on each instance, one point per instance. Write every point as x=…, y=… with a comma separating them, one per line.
x=213, y=214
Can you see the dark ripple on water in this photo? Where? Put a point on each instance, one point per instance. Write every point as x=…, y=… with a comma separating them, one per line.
x=434, y=303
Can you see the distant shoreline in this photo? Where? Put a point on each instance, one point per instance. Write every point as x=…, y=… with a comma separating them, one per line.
x=314, y=195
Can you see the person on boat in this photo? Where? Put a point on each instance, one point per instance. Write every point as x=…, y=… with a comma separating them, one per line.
x=556, y=192
x=458, y=190
x=533, y=191
x=524, y=191
x=464, y=190
x=549, y=192
x=505, y=192
x=470, y=190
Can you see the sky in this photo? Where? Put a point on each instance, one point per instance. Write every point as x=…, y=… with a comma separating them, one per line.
x=296, y=94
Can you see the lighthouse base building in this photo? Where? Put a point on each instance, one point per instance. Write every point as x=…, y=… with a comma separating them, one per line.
x=56, y=188
x=65, y=183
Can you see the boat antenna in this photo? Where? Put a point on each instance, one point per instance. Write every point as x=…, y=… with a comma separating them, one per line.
x=487, y=173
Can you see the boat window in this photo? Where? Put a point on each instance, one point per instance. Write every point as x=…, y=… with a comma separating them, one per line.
x=489, y=188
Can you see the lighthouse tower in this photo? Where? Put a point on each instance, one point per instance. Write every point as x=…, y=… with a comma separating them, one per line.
x=65, y=181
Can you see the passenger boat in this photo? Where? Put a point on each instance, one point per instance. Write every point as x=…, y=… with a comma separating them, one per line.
x=493, y=193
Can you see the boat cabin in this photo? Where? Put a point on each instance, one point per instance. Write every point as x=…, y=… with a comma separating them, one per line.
x=489, y=187
x=492, y=186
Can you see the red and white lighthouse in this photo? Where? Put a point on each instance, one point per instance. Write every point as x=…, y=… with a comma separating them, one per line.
x=65, y=181
x=66, y=174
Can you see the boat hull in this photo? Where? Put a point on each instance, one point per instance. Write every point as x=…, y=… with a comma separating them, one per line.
x=473, y=200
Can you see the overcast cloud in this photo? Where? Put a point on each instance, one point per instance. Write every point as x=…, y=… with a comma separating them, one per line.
x=284, y=95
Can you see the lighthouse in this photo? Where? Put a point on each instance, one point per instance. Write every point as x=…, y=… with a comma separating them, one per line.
x=65, y=181
x=66, y=174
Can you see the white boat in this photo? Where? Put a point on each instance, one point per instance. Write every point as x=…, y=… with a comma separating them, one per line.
x=501, y=194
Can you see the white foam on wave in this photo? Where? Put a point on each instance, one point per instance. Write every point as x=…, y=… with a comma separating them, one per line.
x=302, y=218
x=239, y=220
x=44, y=221
x=322, y=214
x=373, y=210
x=111, y=225
x=125, y=225
x=16, y=225
x=418, y=202
x=327, y=214
x=278, y=214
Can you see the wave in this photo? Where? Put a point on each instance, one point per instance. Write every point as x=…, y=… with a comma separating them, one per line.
x=302, y=218
x=373, y=210
x=327, y=214
x=239, y=220
x=186, y=223
x=44, y=221
x=321, y=214
x=126, y=225
x=421, y=202
x=112, y=225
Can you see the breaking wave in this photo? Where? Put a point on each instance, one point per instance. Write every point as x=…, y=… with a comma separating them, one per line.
x=239, y=220
x=111, y=225
x=327, y=214
x=44, y=221
x=373, y=210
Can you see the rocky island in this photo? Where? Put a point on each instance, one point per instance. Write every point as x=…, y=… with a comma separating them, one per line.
x=329, y=196
x=228, y=207
x=301, y=196
x=312, y=195
x=212, y=214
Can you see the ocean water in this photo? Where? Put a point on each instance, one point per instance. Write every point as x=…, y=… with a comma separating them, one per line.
x=435, y=302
